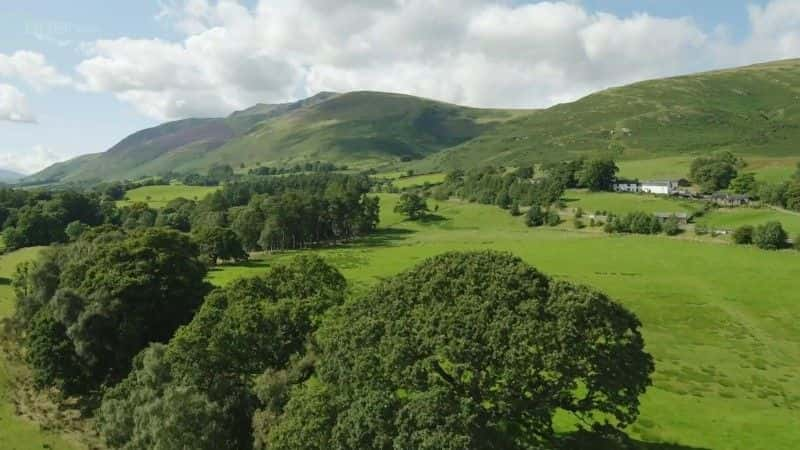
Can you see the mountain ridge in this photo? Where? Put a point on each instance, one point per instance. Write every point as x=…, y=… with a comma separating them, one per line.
x=751, y=109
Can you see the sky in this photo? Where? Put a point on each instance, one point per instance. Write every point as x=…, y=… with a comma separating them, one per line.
x=77, y=77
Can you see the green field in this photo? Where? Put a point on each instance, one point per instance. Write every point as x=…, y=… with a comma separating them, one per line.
x=622, y=203
x=676, y=167
x=419, y=180
x=15, y=432
x=719, y=319
x=159, y=196
x=730, y=219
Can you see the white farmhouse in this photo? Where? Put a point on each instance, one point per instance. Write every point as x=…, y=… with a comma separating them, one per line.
x=667, y=187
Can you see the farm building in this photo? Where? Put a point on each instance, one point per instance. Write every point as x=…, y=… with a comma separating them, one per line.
x=725, y=199
x=625, y=186
x=666, y=187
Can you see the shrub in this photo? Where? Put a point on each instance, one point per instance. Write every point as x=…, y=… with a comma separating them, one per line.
x=579, y=213
x=578, y=223
x=535, y=217
x=553, y=219
x=743, y=235
x=515, y=210
x=770, y=236
x=797, y=242
x=671, y=227
x=700, y=230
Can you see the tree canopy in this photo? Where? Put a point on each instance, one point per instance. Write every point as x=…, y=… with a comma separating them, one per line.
x=466, y=350
x=88, y=308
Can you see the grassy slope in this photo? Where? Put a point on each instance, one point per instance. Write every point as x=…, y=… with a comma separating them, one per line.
x=17, y=433
x=751, y=110
x=719, y=319
x=621, y=203
x=729, y=219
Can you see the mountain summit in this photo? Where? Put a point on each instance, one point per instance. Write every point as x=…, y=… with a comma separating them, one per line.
x=749, y=110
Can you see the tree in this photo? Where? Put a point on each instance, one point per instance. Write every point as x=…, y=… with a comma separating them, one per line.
x=770, y=236
x=525, y=172
x=552, y=218
x=152, y=410
x=219, y=243
x=252, y=328
x=744, y=183
x=454, y=384
x=743, y=235
x=412, y=205
x=221, y=172
x=111, y=294
x=503, y=200
x=598, y=174
x=535, y=216
x=792, y=196
x=671, y=227
x=75, y=229
x=715, y=172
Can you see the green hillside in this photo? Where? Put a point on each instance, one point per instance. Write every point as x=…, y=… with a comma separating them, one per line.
x=753, y=111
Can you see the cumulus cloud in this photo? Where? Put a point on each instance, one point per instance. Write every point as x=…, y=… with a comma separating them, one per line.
x=32, y=68
x=474, y=52
x=29, y=161
x=14, y=105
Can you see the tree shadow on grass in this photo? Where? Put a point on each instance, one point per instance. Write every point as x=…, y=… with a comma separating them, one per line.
x=383, y=237
x=656, y=446
x=432, y=218
x=5, y=281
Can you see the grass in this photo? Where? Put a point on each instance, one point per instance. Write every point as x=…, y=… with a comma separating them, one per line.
x=159, y=196
x=773, y=170
x=730, y=219
x=621, y=203
x=419, y=180
x=719, y=319
x=17, y=433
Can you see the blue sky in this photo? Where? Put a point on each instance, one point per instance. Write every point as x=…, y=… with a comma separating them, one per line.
x=134, y=64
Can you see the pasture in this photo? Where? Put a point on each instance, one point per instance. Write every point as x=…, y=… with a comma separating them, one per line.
x=159, y=196
x=676, y=167
x=622, y=203
x=719, y=319
x=419, y=180
x=730, y=219
x=17, y=433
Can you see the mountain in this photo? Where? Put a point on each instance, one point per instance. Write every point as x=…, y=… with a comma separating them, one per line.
x=752, y=110
x=9, y=176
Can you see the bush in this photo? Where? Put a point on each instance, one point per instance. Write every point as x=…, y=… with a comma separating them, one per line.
x=535, y=217
x=700, y=230
x=578, y=223
x=770, y=236
x=671, y=226
x=743, y=235
x=515, y=210
x=579, y=213
x=553, y=219
x=797, y=242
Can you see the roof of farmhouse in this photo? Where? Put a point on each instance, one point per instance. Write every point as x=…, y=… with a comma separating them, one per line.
x=659, y=183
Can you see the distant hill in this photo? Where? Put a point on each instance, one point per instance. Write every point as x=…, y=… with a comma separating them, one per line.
x=752, y=110
x=9, y=176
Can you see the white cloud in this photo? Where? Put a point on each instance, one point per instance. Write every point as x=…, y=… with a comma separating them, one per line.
x=32, y=68
x=475, y=52
x=29, y=161
x=14, y=105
